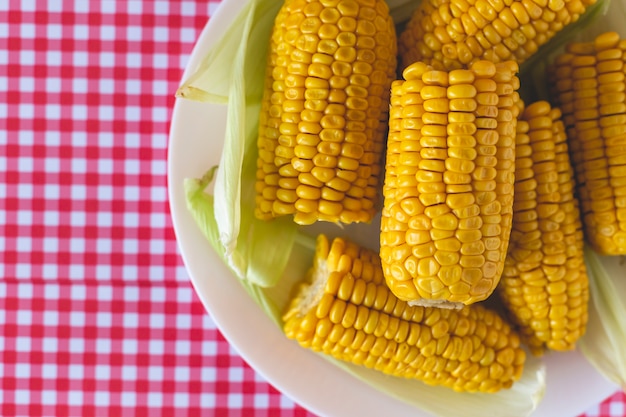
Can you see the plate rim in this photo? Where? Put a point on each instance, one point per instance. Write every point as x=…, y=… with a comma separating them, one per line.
x=226, y=12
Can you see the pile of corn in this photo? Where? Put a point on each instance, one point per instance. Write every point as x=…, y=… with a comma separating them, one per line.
x=478, y=190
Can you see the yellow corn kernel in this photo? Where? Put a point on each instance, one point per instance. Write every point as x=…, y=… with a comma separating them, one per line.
x=343, y=310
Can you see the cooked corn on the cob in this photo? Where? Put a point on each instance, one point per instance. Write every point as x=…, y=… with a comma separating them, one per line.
x=544, y=284
x=451, y=34
x=324, y=110
x=346, y=310
x=589, y=87
x=448, y=188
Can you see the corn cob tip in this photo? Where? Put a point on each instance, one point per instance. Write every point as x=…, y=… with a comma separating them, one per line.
x=309, y=292
x=437, y=303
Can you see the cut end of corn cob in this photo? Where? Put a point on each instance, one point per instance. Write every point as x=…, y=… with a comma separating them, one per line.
x=346, y=310
x=453, y=34
x=588, y=84
x=448, y=189
x=544, y=283
x=324, y=111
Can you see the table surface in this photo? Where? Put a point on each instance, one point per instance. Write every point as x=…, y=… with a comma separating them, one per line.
x=98, y=315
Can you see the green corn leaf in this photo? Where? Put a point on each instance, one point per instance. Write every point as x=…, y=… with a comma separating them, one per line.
x=604, y=342
x=232, y=73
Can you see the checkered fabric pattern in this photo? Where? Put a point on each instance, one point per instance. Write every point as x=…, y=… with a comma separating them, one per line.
x=97, y=314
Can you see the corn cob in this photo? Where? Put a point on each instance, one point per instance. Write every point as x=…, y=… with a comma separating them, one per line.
x=451, y=34
x=345, y=309
x=324, y=111
x=544, y=283
x=588, y=85
x=448, y=187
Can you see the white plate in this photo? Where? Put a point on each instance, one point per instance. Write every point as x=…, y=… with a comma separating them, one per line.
x=196, y=138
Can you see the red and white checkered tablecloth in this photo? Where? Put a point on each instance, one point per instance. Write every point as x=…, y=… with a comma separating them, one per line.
x=97, y=314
